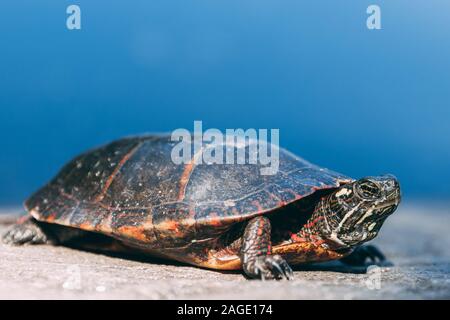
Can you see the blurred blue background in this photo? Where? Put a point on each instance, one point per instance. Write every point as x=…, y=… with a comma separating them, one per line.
x=358, y=101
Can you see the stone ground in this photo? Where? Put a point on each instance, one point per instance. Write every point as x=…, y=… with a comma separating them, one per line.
x=416, y=239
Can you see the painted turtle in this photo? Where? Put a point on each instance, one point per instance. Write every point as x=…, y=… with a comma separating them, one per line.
x=219, y=216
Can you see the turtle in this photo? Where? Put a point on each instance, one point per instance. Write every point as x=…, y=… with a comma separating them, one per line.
x=129, y=196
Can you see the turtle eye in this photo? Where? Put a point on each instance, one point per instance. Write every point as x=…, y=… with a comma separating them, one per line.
x=368, y=189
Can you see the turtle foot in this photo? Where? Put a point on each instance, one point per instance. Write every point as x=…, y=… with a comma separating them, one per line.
x=272, y=267
x=27, y=232
x=366, y=255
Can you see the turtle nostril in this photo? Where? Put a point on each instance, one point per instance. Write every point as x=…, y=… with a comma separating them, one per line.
x=392, y=189
x=391, y=183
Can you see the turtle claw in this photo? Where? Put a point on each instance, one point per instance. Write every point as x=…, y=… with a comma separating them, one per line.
x=273, y=267
x=366, y=255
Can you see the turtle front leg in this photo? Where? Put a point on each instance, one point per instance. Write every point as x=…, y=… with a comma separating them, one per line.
x=255, y=253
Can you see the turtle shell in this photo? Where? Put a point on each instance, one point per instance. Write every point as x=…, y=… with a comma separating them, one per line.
x=130, y=189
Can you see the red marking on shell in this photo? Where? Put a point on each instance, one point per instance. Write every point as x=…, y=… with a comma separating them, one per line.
x=170, y=225
x=272, y=196
x=133, y=232
x=214, y=219
x=258, y=206
x=115, y=172
x=186, y=175
x=188, y=168
x=86, y=226
x=51, y=217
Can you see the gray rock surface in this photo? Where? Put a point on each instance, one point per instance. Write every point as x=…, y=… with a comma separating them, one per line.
x=416, y=239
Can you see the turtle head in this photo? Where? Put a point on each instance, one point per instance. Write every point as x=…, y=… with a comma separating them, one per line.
x=355, y=212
